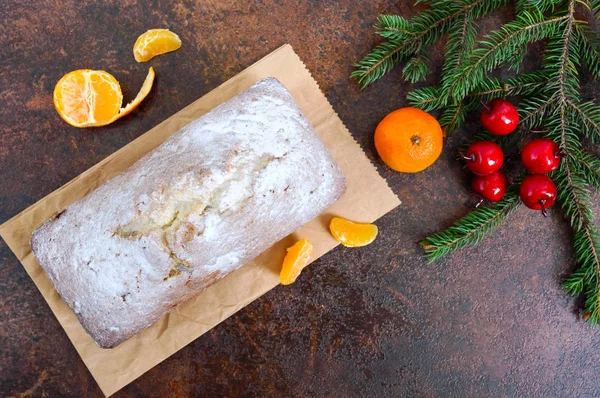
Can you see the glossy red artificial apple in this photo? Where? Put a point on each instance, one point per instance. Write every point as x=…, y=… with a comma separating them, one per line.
x=491, y=187
x=499, y=117
x=484, y=157
x=541, y=156
x=538, y=192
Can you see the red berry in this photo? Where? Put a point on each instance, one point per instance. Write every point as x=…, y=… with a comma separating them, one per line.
x=538, y=192
x=484, y=157
x=541, y=156
x=499, y=117
x=492, y=187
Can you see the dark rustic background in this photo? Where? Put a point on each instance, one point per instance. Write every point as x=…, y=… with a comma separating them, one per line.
x=375, y=321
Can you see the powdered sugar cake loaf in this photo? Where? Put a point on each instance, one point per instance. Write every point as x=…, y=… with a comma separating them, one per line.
x=208, y=200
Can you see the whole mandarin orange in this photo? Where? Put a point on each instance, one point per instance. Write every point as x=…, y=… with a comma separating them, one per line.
x=409, y=140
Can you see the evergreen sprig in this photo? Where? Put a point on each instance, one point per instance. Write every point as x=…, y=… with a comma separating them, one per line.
x=472, y=228
x=409, y=38
x=499, y=47
x=550, y=104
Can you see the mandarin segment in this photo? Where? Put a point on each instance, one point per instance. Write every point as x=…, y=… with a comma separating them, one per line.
x=92, y=98
x=351, y=234
x=409, y=140
x=295, y=260
x=69, y=98
x=107, y=96
x=155, y=42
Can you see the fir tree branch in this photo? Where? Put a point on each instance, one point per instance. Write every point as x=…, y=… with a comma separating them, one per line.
x=585, y=279
x=452, y=117
x=533, y=112
x=589, y=47
x=541, y=5
x=560, y=61
x=426, y=28
x=572, y=193
x=467, y=38
x=393, y=27
x=461, y=41
x=384, y=57
x=529, y=26
x=431, y=98
x=415, y=69
x=427, y=98
x=588, y=167
x=524, y=84
x=575, y=201
x=571, y=178
x=594, y=6
x=589, y=116
x=470, y=229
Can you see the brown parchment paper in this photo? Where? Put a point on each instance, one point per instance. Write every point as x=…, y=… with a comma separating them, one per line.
x=367, y=198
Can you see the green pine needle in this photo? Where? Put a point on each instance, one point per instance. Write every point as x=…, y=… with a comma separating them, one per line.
x=431, y=98
x=587, y=166
x=587, y=114
x=534, y=110
x=454, y=116
x=385, y=57
x=415, y=69
x=540, y=5
x=461, y=41
x=470, y=229
x=427, y=98
x=394, y=27
x=594, y=6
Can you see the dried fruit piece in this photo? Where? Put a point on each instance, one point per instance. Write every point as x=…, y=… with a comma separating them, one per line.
x=351, y=234
x=92, y=98
x=295, y=260
x=85, y=98
x=155, y=42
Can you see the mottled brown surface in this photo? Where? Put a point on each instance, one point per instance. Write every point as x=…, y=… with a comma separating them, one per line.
x=376, y=321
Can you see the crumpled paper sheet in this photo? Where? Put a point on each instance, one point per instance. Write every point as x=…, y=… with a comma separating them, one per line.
x=367, y=198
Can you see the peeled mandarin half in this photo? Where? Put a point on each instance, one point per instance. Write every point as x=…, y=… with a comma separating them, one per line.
x=351, y=234
x=92, y=98
x=155, y=42
x=86, y=98
x=295, y=260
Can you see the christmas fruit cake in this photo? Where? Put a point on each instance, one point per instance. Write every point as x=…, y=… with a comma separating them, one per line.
x=209, y=199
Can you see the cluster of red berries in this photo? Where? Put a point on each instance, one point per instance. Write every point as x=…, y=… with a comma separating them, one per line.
x=485, y=158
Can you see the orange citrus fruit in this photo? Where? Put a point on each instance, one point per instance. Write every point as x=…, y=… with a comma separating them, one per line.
x=409, y=140
x=91, y=98
x=295, y=260
x=85, y=97
x=155, y=42
x=351, y=234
